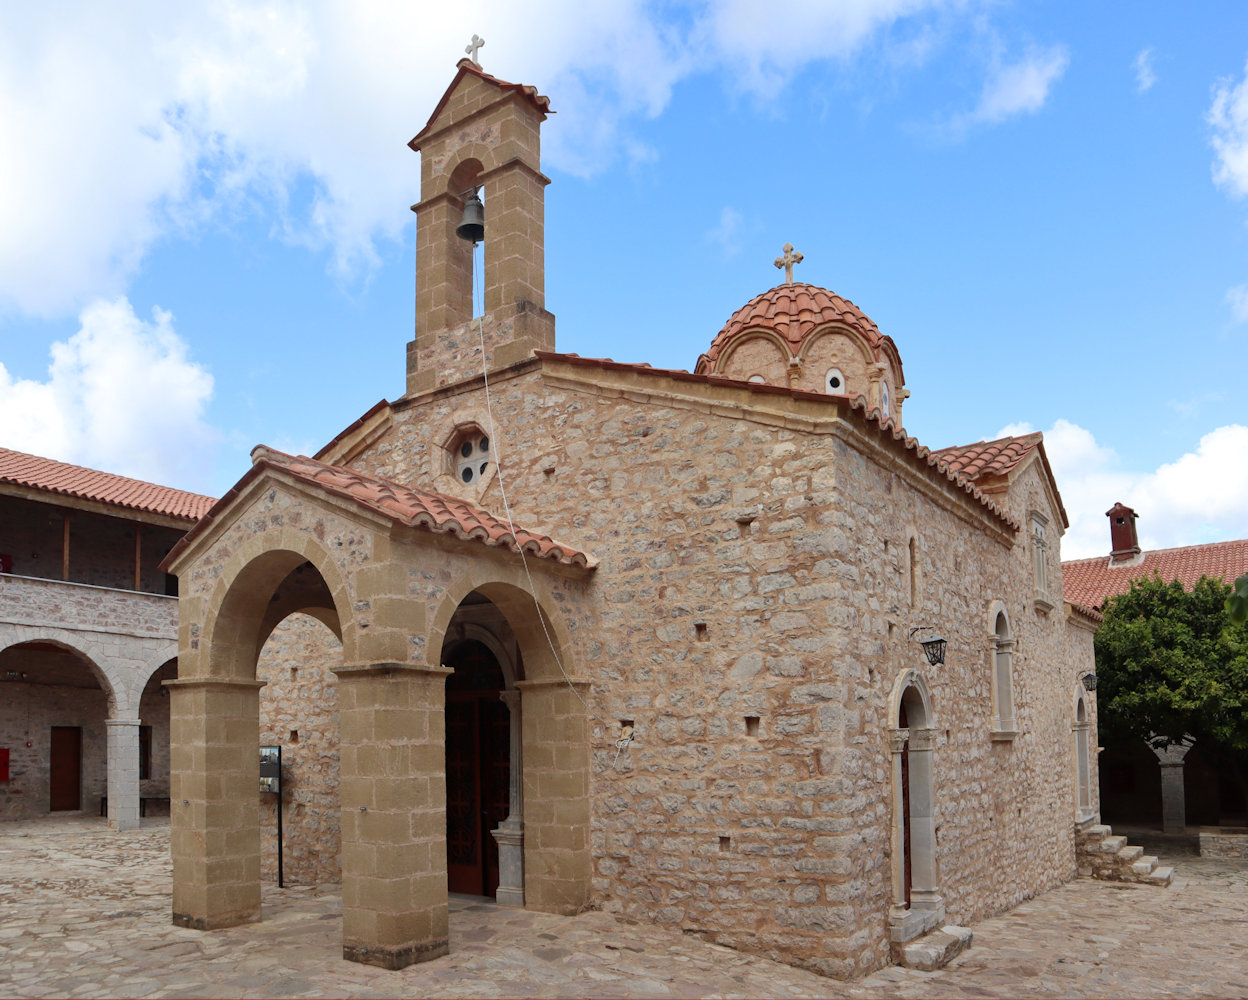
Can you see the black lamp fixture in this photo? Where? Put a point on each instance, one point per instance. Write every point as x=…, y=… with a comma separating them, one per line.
x=1089, y=682
x=933, y=646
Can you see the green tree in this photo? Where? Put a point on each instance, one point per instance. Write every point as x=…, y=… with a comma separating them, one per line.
x=1172, y=663
x=1237, y=601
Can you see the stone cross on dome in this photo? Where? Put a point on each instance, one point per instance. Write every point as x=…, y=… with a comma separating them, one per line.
x=473, y=46
x=787, y=261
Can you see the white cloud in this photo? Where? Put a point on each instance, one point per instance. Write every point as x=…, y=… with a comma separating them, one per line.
x=1019, y=88
x=1145, y=76
x=122, y=395
x=125, y=125
x=1228, y=116
x=1202, y=496
x=728, y=233
x=1238, y=298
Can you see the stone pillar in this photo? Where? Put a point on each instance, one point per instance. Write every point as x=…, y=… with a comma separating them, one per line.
x=510, y=833
x=215, y=801
x=1173, y=797
x=392, y=772
x=123, y=774
x=927, y=907
x=924, y=887
x=556, y=795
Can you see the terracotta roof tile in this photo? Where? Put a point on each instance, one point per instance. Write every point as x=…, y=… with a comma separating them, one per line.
x=1093, y=581
x=991, y=458
x=61, y=478
x=796, y=310
x=409, y=505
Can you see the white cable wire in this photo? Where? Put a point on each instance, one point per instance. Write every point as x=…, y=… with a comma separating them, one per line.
x=479, y=308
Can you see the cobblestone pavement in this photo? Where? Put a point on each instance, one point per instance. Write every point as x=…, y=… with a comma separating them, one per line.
x=84, y=912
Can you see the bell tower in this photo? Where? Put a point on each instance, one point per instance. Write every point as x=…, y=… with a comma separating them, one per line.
x=484, y=134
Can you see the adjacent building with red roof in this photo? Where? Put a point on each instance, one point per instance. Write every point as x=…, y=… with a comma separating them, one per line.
x=88, y=633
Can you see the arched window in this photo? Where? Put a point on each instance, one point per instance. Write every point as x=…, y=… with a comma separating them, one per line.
x=1003, y=725
x=1083, y=759
x=834, y=382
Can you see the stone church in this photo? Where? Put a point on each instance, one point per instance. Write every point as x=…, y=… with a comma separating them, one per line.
x=724, y=650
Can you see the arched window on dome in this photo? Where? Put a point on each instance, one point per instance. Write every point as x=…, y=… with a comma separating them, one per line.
x=884, y=400
x=834, y=382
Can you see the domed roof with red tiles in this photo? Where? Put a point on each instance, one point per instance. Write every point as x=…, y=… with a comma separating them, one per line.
x=794, y=311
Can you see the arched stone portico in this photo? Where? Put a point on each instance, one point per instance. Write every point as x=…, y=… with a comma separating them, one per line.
x=390, y=590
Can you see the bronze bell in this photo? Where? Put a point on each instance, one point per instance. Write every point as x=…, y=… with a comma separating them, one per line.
x=472, y=228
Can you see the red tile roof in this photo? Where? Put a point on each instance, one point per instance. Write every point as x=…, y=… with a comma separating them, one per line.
x=409, y=505
x=989, y=458
x=466, y=67
x=61, y=478
x=1093, y=581
x=794, y=311
x=849, y=404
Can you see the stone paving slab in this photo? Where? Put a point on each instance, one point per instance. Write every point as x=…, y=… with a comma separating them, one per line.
x=85, y=912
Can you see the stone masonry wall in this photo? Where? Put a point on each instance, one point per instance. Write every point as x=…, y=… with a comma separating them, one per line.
x=299, y=712
x=752, y=615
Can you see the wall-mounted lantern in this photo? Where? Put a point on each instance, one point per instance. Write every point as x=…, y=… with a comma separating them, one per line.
x=1089, y=682
x=933, y=646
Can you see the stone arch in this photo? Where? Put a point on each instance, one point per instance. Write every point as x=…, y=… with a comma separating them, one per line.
x=917, y=903
x=242, y=612
x=508, y=589
x=89, y=654
x=756, y=352
x=822, y=349
x=1001, y=670
x=543, y=845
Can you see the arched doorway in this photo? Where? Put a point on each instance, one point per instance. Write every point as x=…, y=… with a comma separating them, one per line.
x=478, y=741
x=917, y=904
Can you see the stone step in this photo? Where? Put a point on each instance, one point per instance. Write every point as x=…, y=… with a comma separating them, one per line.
x=1160, y=876
x=1130, y=853
x=1095, y=833
x=937, y=948
x=1112, y=845
x=1144, y=865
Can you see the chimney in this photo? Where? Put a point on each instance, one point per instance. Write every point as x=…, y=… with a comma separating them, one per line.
x=1125, y=543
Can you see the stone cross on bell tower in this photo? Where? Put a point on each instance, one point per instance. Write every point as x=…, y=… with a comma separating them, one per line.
x=484, y=133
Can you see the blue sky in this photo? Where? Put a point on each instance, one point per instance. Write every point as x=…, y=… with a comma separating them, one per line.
x=205, y=240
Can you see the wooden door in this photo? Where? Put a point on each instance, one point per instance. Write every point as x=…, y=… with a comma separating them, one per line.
x=478, y=737
x=65, y=769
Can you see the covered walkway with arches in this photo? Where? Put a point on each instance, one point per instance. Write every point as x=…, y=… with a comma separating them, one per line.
x=408, y=581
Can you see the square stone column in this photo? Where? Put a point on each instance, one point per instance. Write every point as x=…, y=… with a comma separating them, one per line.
x=392, y=774
x=556, y=795
x=123, y=774
x=215, y=801
x=1173, y=795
